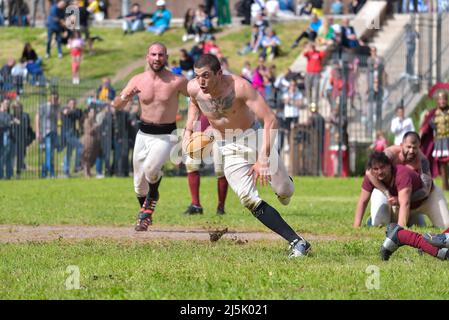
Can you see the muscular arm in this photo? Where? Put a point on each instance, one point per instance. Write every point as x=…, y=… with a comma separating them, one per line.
x=259, y=107
x=361, y=207
x=404, y=206
x=193, y=115
x=426, y=178
x=126, y=95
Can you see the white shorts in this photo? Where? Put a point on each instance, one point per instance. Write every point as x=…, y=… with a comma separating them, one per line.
x=240, y=154
x=193, y=165
x=435, y=207
x=151, y=151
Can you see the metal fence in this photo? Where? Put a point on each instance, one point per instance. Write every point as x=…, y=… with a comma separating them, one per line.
x=52, y=128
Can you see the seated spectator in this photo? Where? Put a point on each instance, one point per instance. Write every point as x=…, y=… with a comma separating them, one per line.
x=257, y=7
x=246, y=72
x=28, y=53
x=336, y=7
x=105, y=92
x=19, y=73
x=35, y=71
x=160, y=20
x=6, y=83
x=203, y=24
x=258, y=76
x=303, y=7
x=271, y=45
x=349, y=38
x=189, y=25
x=325, y=32
x=134, y=20
x=197, y=50
x=18, y=13
x=186, y=63
x=210, y=46
x=311, y=31
x=175, y=68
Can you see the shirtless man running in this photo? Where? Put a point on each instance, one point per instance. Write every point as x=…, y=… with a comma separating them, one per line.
x=158, y=91
x=232, y=105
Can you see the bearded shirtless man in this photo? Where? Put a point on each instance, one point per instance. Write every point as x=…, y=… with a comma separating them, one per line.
x=158, y=91
x=232, y=105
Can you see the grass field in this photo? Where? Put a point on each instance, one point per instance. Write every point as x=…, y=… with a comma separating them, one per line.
x=188, y=269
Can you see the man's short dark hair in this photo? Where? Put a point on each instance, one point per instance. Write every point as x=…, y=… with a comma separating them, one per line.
x=399, y=107
x=412, y=134
x=378, y=157
x=208, y=60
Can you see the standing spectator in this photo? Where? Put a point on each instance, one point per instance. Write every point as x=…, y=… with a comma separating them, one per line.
x=71, y=122
x=400, y=125
x=2, y=13
x=105, y=92
x=272, y=9
x=76, y=45
x=90, y=141
x=380, y=144
x=18, y=13
x=55, y=26
x=104, y=119
x=337, y=7
x=6, y=122
x=292, y=102
x=311, y=31
x=104, y=6
x=94, y=8
x=317, y=133
x=189, y=25
x=133, y=128
x=160, y=20
x=35, y=6
x=243, y=9
x=23, y=136
x=46, y=132
x=223, y=12
x=134, y=20
x=313, y=70
x=120, y=142
x=271, y=44
x=349, y=38
x=317, y=7
x=84, y=24
x=410, y=42
x=356, y=5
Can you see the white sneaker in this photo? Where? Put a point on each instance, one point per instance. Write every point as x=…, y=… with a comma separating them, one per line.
x=184, y=38
x=100, y=176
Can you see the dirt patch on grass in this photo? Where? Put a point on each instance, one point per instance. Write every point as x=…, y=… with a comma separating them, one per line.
x=25, y=233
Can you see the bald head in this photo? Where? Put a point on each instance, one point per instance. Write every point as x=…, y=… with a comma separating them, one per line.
x=158, y=44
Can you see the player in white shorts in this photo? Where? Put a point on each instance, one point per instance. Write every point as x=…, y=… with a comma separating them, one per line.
x=232, y=105
x=158, y=91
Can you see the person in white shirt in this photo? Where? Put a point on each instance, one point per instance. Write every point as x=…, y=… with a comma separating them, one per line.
x=272, y=9
x=400, y=125
x=292, y=102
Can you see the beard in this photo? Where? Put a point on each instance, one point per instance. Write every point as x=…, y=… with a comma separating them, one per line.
x=157, y=68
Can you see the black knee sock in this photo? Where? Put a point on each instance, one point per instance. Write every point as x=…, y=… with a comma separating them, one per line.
x=273, y=220
x=141, y=200
x=154, y=189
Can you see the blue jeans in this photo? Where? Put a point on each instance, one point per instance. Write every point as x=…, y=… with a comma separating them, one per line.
x=50, y=146
x=58, y=40
x=5, y=156
x=134, y=26
x=72, y=142
x=18, y=21
x=157, y=30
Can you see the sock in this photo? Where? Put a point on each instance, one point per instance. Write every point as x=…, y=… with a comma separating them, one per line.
x=154, y=189
x=415, y=240
x=273, y=220
x=194, y=186
x=222, y=186
x=141, y=200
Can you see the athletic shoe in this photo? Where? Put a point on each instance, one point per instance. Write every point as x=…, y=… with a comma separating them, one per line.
x=193, y=209
x=437, y=240
x=220, y=211
x=299, y=248
x=443, y=254
x=144, y=220
x=391, y=242
x=148, y=206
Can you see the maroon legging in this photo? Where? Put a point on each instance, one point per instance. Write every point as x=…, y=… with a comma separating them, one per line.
x=415, y=240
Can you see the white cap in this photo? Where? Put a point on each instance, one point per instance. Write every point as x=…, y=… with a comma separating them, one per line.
x=160, y=3
x=337, y=28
